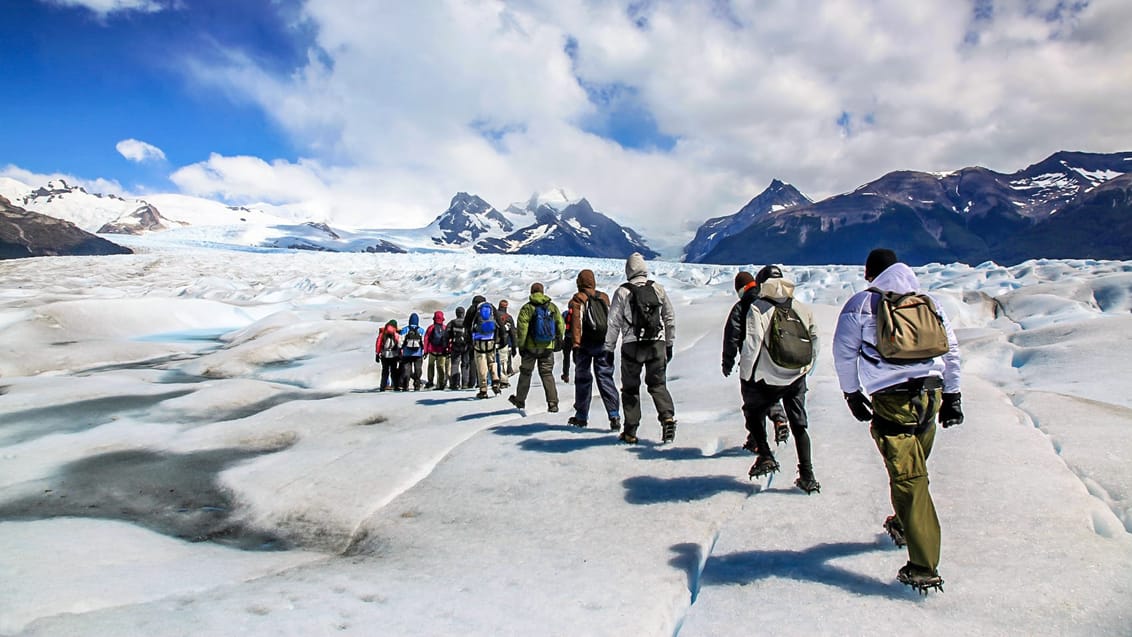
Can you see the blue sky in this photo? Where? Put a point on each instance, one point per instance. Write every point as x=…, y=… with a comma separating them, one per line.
x=662, y=113
x=82, y=82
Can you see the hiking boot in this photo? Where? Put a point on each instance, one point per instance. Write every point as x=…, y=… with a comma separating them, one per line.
x=806, y=480
x=765, y=465
x=552, y=408
x=668, y=430
x=481, y=394
x=895, y=530
x=495, y=388
x=809, y=485
x=781, y=432
x=629, y=435
x=615, y=424
x=577, y=422
x=515, y=401
x=920, y=578
x=751, y=446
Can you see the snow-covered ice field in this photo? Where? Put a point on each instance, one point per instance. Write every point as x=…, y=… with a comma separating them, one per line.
x=191, y=444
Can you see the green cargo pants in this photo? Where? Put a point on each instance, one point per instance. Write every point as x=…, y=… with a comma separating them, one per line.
x=905, y=450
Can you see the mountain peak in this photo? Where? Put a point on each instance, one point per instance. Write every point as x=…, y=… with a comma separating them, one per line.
x=557, y=198
x=777, y=196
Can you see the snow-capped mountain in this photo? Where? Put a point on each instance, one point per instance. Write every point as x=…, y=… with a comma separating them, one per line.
x=29, y=234
x=567, y=227
x=467, y=219
x=61, y=200
x=145, y=219
x=777, y=196
x=551, y=222
x=92, y=211
x=970, y=215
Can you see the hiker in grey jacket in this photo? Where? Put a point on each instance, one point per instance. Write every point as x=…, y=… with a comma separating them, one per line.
x=906, y=399
x=763, y=381
x=642, y=347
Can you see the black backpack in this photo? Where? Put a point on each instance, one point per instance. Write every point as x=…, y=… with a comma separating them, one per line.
x=646, y=307
x=788, y=340
x=412, y=340
x=595, y=319
x=456, y=337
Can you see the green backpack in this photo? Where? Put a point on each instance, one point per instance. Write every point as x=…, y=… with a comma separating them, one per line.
x=788, y=339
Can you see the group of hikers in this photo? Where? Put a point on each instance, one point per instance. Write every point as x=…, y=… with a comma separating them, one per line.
x=895, y=355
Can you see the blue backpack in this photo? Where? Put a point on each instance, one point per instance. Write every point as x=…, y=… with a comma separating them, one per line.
x=484, y=329
x=543, y=323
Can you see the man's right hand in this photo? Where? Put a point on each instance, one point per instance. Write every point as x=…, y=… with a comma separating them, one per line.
x=860, y=406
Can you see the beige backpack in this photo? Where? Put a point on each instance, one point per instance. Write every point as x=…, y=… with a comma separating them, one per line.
x=909, y=327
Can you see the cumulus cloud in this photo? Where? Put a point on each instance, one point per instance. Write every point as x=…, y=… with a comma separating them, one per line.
x=400, y=107
x=35, y=180
x=106, y=7
x=139, y=151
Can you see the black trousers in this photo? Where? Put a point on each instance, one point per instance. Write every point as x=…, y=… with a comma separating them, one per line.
x=759, y=397
x=649, y=356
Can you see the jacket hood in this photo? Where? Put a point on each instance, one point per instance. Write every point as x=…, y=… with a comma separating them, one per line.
x=414, y=320
x=777, y=289
x=635, y=267
x=539, y=298
x=477, y=299
x=438, y=317
x=586, y=281
x=897, y=277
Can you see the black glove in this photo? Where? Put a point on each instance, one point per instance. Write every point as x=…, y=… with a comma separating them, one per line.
x=860, y=406
x=377, y=358
x=951, y=411
x=727, y=370
x=668, y=353
x=609, y=358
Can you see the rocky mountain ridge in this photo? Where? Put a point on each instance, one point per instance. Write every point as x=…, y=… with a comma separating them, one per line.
x=1069, y=205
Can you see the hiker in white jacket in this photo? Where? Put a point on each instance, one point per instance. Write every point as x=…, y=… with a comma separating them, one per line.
x=904, y=401
x=764, y=381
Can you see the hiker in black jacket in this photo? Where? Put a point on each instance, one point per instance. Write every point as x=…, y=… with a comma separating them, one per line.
x=734, y=331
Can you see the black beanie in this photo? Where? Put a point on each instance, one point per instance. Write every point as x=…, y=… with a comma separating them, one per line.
x=742, y=280
x=879, y=260
x=768, y=272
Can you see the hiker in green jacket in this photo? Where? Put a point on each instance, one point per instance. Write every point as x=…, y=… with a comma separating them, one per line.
x=538, y=330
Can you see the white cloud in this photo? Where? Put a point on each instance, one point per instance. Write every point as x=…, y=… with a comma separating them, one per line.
x=398, y=99
x=35, y=180
x=139, y=151
x=106, y=7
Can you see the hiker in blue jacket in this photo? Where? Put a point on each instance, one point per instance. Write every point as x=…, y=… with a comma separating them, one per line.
x=412, y=353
